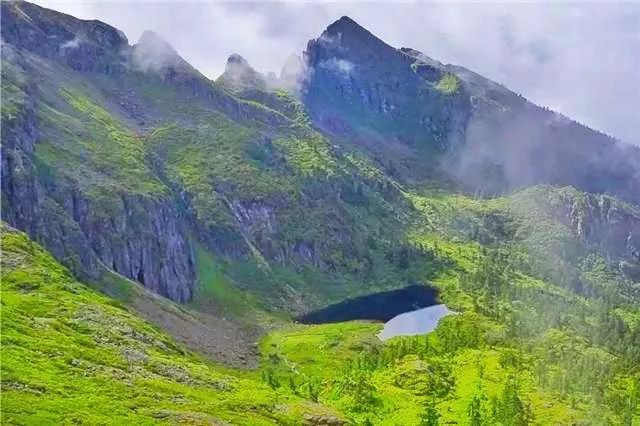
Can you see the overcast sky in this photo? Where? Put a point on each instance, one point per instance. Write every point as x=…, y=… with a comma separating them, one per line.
x=582, y=60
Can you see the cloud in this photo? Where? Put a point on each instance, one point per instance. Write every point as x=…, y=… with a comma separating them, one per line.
x=339, y=66
x=582, y=60
x=152, y=53
x=71, y=44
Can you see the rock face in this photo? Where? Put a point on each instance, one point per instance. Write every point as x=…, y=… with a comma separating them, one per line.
x=488, y=138
x=563, y=224
x=88, y=46
x=25, y=203
x=142, y=238
x=359, y=81
x=239, y=75
x=606, y=224
x=511, y=143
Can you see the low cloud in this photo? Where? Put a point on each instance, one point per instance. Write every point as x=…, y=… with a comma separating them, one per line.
x=152, y=53
x=338, y=66
x=71, y=44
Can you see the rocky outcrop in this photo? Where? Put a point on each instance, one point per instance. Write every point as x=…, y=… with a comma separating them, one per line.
x=605, y=223
x=402, y=110
x=571, y=224
x=26, y=204
x=87, y=46
x=239, y=75
x=142, y=239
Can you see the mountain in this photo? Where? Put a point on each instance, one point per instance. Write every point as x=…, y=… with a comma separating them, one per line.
x=495, y=140
x=239, y=75
x=77, y=89
x=221, y=210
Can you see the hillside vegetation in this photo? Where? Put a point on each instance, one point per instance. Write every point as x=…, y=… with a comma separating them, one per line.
x=73, y=356
x=521, y=350
x=163, y=231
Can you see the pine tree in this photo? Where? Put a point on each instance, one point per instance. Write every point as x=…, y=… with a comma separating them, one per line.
x=430, y=415
x=475, y=410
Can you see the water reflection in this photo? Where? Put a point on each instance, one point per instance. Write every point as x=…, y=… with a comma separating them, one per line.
x=420, y=321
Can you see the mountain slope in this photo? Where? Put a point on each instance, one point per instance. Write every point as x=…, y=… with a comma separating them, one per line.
x=93, y=158
x=546, y=352
x=404, y=108
x=70, y=354
x=249, y=200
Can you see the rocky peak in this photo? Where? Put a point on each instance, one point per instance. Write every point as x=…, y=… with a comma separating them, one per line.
x=235, y=60
x=85, y=45
x=293, y=73
x=353, y=74
x=152, y=52
x=352, y=34
x=345, y=39
x=292, y=67
x=239, y=75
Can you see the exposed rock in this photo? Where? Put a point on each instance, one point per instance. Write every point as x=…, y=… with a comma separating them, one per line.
x=239, y=75
x=83, y=45
x=142, y=239
x=606, y=224
x=493, y=139
x=323, y=419
x=360, y=82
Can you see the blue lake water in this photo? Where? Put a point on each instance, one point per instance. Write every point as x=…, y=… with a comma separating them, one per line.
x=420, y=321
x=381, y=306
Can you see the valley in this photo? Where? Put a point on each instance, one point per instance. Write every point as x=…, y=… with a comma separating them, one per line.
x=374, y=239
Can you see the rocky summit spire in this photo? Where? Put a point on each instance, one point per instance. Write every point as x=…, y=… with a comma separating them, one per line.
x=239, y=75
x=152, y=52
x=346, y=40
x=346, y=25
x=349, y=33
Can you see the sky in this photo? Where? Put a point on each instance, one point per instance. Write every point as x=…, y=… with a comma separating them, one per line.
x=580, y=59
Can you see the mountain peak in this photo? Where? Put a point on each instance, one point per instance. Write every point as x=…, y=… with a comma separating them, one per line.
x=239, y=75
x=346, y=35
x=237, y=60
x=345, y=23
x=152, y=52
x=151, y=37
x=56, y=35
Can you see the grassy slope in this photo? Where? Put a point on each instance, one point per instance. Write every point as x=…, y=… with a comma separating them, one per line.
x=62, y=342
x=541, y=335
x=72, y=355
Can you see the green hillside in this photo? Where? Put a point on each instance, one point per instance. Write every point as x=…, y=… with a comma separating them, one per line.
x=163, y=233
x=73, y=356
x=520, y=346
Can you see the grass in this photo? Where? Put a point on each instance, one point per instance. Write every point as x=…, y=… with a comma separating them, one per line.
x=214, y=287
x=13, y=95
x=403, y=375
x=319, y=350
x=448, y=84
x=66, y=330
x=70, y=354
x=83, y=143
x=210, y=162
x=308, y=156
